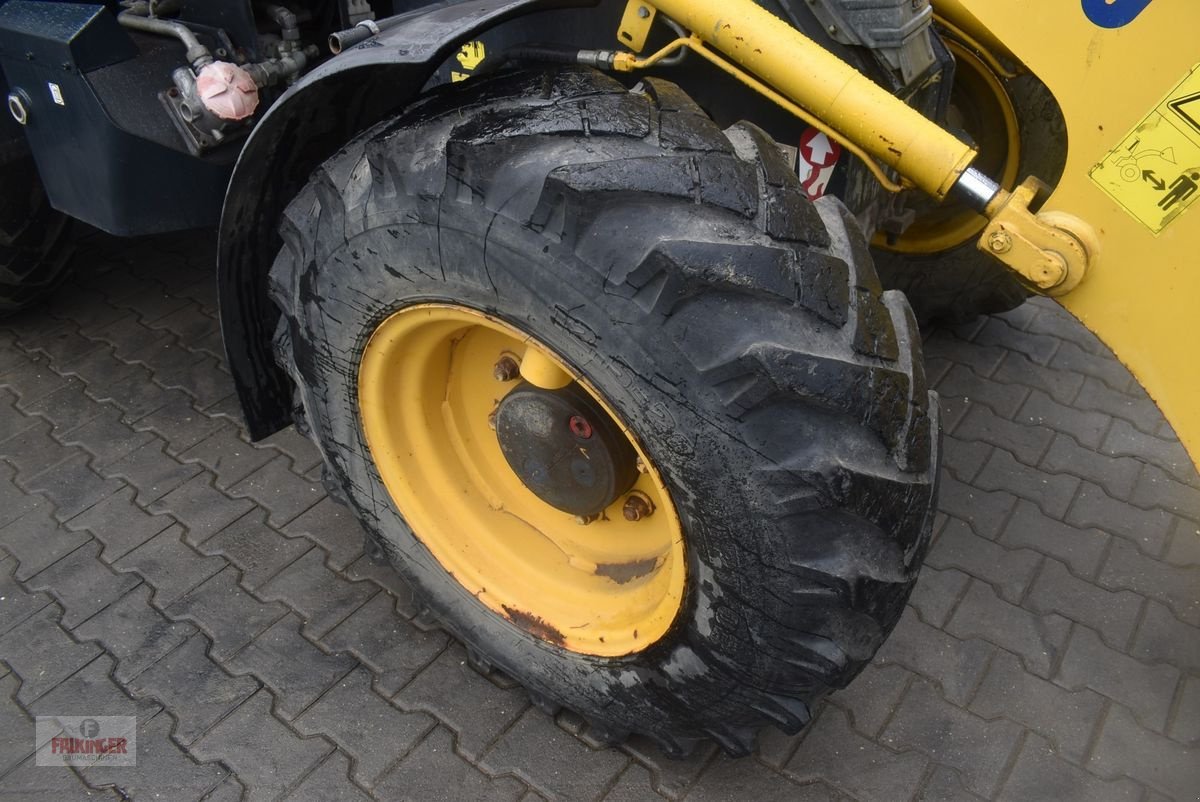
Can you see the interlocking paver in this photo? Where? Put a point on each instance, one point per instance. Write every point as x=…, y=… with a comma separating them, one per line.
x=961, y=381
x=1083, y=549
x=284, y=494
x=1093, y=508
x=1086, y=428
x=119, y=524
x=91, y=689
x=255, y=548
x=1073, y=359
x=964, y=458
x=330, y=782
x=316, y=592
x=1040, y=774
x=1162, y=637
x=202, y=508
x=957, y=665
x=267, y=756
x=672, y=778
x=1157, y=488
x=18, y=741
x=1125, y=440
x=1113, y=614
x=72, y=486
x=332, y=527
x=151, y=472
x=1009, y=571
x=945, y=785
x=227, y=456
x=372, y=730
x=1146, y=689
x=985, y=512
x=937, y=593
x=295, y=670
x=82, y=584
x=1183, y=548
x=41, y=653
x=550, y=760
x=1037, y=639
x=872, y=698
x=1117, y=475
x=16, y=605
x=106, y=438
x=454, y=692
x=632, y=786
x=1172, y=585
x=433, y=771
x=1051, y=492
x=835, y=753
x=193, y=687
x=38, y=541
x=979, y=749
x=163, y=768
x=226, y=612
x=1067, y=718
x=32, y=783
x=1061, y=385
x=1127, y=749
x=1137, y=409
x=169, y=565
x=134, y=632
x=1028, y=443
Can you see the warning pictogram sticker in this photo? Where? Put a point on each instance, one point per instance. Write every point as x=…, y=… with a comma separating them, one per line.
x=1155, y=172
x=818, y=156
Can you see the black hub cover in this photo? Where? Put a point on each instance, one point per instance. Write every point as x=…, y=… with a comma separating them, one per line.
x=565, y=448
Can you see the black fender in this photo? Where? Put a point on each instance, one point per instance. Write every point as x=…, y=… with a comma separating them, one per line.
x=307, y=125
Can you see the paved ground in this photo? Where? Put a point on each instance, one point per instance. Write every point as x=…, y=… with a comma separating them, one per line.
x=156, y=564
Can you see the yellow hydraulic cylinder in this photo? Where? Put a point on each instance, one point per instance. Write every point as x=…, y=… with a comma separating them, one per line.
x=845, y=99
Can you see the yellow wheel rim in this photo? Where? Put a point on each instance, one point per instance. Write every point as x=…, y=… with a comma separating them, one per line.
x=986, y=112
x=427, y=390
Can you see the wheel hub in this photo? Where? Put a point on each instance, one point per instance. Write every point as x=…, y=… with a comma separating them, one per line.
x=565, y=448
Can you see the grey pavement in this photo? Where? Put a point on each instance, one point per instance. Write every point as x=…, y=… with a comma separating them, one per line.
x=155, y=563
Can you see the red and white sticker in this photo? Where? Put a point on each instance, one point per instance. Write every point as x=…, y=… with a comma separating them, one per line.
x=817, y=158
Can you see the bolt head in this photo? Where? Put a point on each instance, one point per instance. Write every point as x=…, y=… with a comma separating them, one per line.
x=1000, y=242
x=643, y=12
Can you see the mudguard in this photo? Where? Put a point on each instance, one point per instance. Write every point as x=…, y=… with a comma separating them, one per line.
x=318, y=115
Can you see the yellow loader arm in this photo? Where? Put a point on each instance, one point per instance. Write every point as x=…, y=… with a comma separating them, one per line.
x=1113, y=238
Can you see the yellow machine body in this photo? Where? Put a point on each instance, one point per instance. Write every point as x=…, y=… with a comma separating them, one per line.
x=1125, y=95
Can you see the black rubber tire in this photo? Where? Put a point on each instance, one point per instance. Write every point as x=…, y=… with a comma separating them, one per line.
x=958, y=285
x=738, y=328
x=35, y=251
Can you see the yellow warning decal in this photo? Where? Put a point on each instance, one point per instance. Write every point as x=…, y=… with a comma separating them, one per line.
x=470, y=56
x=1154, y=174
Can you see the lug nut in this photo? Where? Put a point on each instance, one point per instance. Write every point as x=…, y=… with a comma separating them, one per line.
x=637, y=507
x=584, y=520
x=506, y=369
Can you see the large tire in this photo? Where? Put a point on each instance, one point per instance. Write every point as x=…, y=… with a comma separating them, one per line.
x=34, y=238
x=962, y=283
x=736, y=327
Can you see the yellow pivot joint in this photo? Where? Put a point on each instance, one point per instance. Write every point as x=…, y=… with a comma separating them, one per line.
x=1050, y=251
